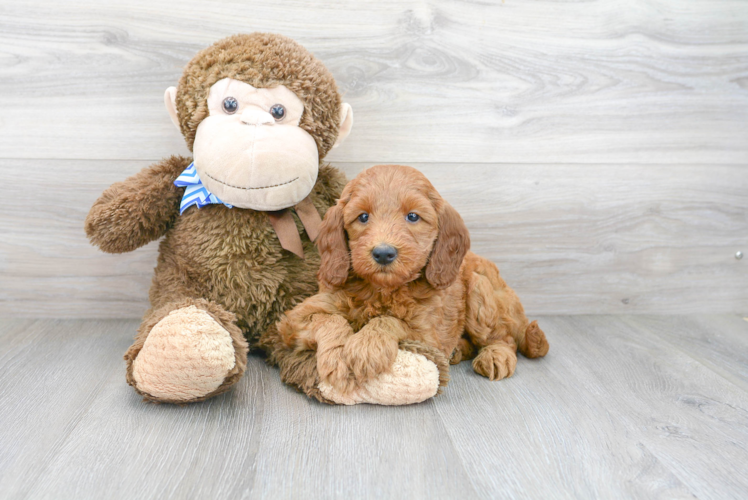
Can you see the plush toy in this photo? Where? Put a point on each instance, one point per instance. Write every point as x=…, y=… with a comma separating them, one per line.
x=259, y=113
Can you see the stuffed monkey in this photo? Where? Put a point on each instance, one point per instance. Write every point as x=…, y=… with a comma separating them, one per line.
x=238, y=220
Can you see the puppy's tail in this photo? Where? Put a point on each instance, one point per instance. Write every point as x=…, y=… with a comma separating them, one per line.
x=533, y=343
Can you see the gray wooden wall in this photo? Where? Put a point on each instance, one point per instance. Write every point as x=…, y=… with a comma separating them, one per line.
x=597, y=149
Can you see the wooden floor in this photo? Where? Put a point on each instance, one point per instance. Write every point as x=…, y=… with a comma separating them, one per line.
x=622, y=407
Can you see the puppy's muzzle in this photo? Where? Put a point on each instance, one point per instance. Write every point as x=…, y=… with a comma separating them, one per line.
x=384, y=254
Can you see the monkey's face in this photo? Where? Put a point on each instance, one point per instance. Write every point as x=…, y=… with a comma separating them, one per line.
x=250, y=151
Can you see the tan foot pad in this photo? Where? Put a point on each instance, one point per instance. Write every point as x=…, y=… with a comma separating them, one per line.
x=413, y=379
x=187, y=355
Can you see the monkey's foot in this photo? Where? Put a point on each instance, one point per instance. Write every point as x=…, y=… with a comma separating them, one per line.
x=188, y=356
x=415, y=377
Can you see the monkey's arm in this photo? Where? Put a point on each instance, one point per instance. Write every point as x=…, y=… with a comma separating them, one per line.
x=134, y=212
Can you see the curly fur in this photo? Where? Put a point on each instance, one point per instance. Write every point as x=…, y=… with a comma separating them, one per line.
x=436, y=293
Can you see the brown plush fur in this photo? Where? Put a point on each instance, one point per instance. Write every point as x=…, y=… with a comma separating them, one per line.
x=262, y=60
x=229, y=256
x=228, y=262
x=435, y=292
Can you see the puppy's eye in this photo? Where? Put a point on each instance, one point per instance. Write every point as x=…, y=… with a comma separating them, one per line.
x=363, y=218
x=230, y=105
x=413, y=217
x=278, y=112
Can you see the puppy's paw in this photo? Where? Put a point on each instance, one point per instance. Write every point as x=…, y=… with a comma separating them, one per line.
x=496, y=361
x=334, y=371
x=369, y=355
x=535, y=344
x=413, y=379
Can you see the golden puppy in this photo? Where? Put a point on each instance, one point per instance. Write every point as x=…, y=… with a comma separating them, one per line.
x=396, y=267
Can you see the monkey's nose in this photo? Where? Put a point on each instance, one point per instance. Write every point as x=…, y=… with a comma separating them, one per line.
x=254, y=116
x=384, y=254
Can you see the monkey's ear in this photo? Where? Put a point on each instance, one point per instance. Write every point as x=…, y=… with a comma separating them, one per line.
x=451, y=245
x=346, y=123
x=170, y=99
x=333, y=248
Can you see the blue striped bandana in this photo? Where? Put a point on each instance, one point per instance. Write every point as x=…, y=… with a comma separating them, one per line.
x=195, y=193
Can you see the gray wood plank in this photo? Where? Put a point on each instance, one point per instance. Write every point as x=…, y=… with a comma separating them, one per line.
x=357, y=452
x=261, y=440
x=138, y=450
x=9, y=328
x=694, y=421
x=52, y=372
x=568, y=238
x=614, y=411
x=544, y=433
x=544, y=81
x=719, y=342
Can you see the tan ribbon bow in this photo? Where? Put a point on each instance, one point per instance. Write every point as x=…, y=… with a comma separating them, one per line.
x=285, y=227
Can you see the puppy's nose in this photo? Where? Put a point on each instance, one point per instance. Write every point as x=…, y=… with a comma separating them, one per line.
x=384, y=254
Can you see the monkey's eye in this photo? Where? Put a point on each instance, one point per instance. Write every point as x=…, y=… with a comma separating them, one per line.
x=363, y=218
x=413, y=217
x=278, y=111
x=230, y=105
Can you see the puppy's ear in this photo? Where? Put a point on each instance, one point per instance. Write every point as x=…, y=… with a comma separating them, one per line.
x=452, y=243
x=333, y=248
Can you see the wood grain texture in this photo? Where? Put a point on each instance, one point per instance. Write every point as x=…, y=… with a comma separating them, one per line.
x=687, y=416
x=655, y=81
x=616, y=410
x=716, y=341
x=568, y=239
x=657, y=413
x=596, y=149
x=51, y=372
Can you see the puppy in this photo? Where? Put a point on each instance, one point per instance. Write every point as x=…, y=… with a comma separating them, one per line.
x=396, y=267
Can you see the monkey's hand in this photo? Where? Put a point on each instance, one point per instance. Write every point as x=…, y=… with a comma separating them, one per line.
x=134, y=212
x=418, y=373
